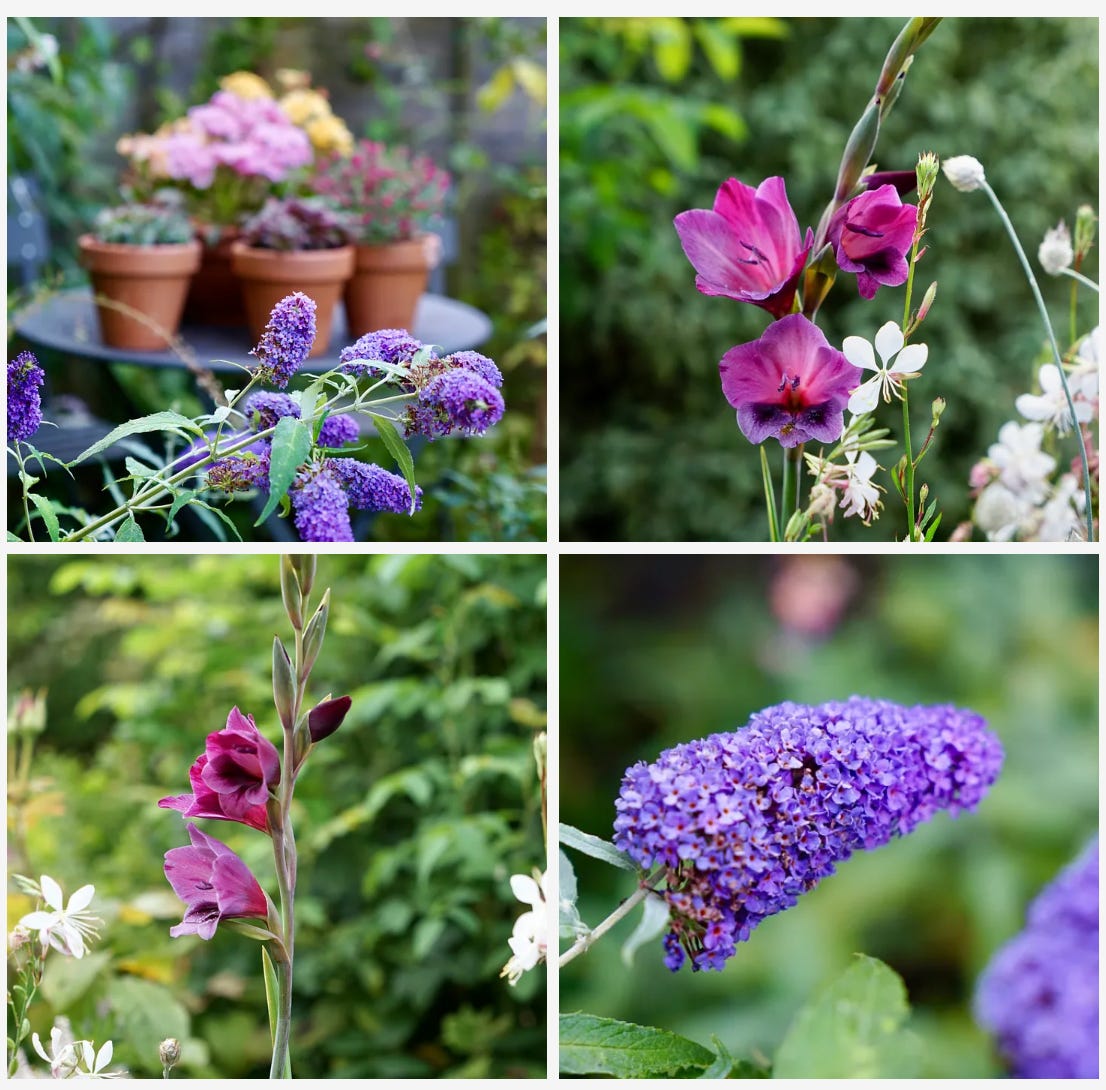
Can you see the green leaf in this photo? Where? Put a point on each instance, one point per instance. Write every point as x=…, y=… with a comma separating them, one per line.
x=933, y=528
x=163, y=421
x=852, y=1030
x=721, y=47
x=724, y=120
x=603, y=1046
x=272, y=1001
x=397, y=448
x=671, y=48
x=136, y=469
x=653, y=923
x=49, y=516
x=291, y=446
x=596, y=847
x=129, y=531
x=144, y=1014
x=68, y=979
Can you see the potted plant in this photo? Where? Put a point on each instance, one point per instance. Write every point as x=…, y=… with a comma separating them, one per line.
x=225, y=156
x=390, y=196
x=293, y=244
x=142, y=257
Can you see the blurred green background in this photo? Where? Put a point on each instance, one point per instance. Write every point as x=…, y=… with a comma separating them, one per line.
x=660, y=650
x=657, y=113
x=409, y=820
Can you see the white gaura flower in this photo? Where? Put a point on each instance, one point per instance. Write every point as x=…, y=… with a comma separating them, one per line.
x=528, y=941
x=1023, y=467
x=861, y=496
x=1050, y=406
x=69, y=1059
x=1000, y=513
x=67, y=927
x=1062, y=516
x=899, y=363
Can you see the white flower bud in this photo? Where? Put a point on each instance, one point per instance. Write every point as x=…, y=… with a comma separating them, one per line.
x=1055, y=253
x=964, y=172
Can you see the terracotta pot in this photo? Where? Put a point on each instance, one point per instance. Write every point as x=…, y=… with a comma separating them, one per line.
x=152, y=280
x=267, y=276
x=215, y=294
x=387, y=283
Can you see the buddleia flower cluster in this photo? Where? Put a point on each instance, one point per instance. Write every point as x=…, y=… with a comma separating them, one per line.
x=740, y=824
x=1039, y=995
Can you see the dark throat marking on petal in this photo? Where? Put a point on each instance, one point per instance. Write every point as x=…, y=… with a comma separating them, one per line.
x=866, y=232
x=759, y=258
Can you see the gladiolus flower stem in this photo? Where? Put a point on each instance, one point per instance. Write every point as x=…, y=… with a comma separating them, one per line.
x=1088, y=504
x=792, y=473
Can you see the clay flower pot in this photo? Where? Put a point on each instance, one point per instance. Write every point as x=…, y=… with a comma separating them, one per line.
x=215, y=294
x=267, y=276
x=148, y=280
x=387, y=283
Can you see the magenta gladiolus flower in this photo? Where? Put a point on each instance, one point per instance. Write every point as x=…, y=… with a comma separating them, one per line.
x=871, y=236
x=791, y=384
x=214, y=883
x=242, y=765
x=203, y=802
x=749, y=247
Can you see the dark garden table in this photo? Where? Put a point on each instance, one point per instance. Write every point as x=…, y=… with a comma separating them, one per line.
x=67, y=322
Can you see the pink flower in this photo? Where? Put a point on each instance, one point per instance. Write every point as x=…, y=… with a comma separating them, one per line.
x=242, y=765
x=871, y=236
x=749, y=247
x=203, y=802
x=214, y=883
x=790, y=384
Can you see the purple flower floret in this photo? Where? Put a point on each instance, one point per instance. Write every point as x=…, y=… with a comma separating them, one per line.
x=320, y=505
x=242, y=765
x=742, y=823
x=1039, y=995
x=339, y=430
x=481, y=365
x=369, y=487
x=387, y=345
x=287, y=339
x=791, y=384
x=25, y=379
x=263, y=410
x=456, y=399
x=748, y=247
x=242, y=471
x=214, y=883
x=871, y=236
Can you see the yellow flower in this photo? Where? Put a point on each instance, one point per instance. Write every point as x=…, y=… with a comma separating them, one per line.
x=329, y=134
x=246, y=85
x=304, y=105
x=292, y=79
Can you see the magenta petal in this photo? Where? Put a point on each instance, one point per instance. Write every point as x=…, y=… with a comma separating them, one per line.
x=871, y=236
x=791, y=384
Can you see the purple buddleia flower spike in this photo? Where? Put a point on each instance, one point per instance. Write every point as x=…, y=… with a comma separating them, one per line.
x=339, y=430
x=372, y=488
x=1039, y=994
x=320, y=505
x=25, y=379
x=455, y=400
x=242, y=471
x=387, y=345
x=743, y=823
x=287, y=340
x=480, y=365
x=263, y=410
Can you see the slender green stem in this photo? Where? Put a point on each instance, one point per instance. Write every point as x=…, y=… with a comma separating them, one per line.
x=1089, y=509
x=1085, y=281
x=584, y=941
x=18, y=454
x=792, y=472
x=908, y=484
x=769, y=495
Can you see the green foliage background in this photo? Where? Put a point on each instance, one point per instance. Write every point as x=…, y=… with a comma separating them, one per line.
x=660, y=650
x=410, y=819
x=656, y=113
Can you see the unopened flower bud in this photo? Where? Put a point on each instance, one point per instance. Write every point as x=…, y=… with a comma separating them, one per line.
x=325, y=718
x=1055, y=253
x=169, y=1052
x=937, y=408
x=1085, y=219
x=927, y=301
x=927, y=170
x=28, y=713
x=964, y=172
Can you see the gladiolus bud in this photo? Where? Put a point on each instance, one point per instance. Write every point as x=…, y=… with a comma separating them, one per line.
x=313, y=635
x=305, y=571
x=284, y=684
x=326, y=717
x=291, y=593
